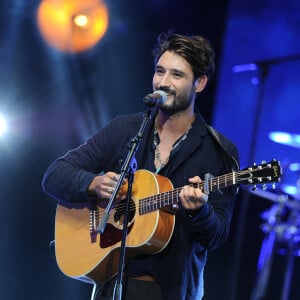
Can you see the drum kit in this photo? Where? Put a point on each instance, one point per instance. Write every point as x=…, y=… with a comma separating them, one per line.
x=281, y=227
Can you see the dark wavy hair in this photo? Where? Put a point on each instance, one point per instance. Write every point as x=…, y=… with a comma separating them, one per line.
x=196, y=50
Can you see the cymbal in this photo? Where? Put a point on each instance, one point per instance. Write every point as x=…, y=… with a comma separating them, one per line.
x=285, y=138
x=284, y=230
x=277, y=198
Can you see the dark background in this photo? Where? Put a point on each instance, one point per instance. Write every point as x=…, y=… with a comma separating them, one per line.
x=53, y=101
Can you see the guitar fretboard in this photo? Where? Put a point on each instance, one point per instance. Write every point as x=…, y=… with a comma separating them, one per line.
x=169, y=198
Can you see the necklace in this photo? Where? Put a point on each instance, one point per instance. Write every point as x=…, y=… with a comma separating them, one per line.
x=163, y=163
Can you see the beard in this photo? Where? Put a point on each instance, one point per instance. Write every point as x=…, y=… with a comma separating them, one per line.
x=180, y=103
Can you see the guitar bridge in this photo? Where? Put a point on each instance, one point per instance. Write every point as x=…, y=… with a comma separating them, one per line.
x=94, y=220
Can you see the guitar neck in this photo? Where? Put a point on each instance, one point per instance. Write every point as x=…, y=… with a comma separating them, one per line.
x=256, y=174
x=170, y=198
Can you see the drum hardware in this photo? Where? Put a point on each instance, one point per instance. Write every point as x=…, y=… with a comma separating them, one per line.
x=290, y=182
x=281, y=228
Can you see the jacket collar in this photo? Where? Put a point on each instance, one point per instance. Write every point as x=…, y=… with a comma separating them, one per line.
x=193, y=142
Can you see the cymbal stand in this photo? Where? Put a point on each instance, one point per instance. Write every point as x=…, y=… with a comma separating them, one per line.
x=266, y=253
x=288, y=270
x=291, y=234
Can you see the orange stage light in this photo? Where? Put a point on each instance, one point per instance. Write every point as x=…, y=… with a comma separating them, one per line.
x=72, y=25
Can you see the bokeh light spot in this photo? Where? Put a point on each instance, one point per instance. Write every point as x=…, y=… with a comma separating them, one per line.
x=72, y=25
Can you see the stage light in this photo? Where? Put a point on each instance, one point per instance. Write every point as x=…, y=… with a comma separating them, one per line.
x=280, y=137
x=291, y=190
x=81, y=21
x=3, y=125
x=285, y=138
x=255, y=80
x=244, y=68
x=294, y=167
x=72, y=25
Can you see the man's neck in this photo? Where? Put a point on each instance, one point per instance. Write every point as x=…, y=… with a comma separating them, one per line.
x=176, y=123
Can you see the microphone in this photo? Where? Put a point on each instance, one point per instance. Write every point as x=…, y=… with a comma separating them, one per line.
x=157, y=98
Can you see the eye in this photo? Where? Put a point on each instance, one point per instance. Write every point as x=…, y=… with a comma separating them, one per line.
x=159, y=71
x=177, y=74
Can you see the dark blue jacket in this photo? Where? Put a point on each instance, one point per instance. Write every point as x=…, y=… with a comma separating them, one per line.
x=179, y=267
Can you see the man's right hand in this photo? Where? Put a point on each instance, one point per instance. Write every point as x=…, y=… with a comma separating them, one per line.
x=103, y=186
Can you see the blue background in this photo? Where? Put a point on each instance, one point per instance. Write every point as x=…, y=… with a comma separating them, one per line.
x=54, y=101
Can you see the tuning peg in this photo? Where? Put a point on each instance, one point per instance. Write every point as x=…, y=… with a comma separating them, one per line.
x=263, y=161
x=264, y=187
x=273, y=185
x=254, y=187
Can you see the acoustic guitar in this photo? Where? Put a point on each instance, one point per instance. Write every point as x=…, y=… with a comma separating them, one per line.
x=82, y=253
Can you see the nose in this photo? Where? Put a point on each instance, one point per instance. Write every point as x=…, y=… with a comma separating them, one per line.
x=164, y=81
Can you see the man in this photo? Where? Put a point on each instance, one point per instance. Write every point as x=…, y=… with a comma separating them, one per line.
x=178, y=144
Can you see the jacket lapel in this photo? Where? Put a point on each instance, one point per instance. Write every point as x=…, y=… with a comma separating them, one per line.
x=193, y=142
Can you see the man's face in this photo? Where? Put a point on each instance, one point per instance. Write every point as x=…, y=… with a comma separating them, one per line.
x=174, y=75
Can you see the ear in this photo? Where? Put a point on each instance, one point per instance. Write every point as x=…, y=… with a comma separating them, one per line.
x=200, y=83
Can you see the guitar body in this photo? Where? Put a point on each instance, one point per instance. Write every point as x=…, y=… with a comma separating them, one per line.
x=83, y=254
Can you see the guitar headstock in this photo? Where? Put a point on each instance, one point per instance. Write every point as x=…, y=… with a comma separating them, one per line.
x=266, y=172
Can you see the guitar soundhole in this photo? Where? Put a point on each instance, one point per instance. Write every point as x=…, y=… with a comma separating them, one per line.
x=113, y=232
x=120, y=212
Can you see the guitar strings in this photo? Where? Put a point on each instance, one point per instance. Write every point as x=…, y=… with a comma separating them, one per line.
x=170, y=195
x=150, y=201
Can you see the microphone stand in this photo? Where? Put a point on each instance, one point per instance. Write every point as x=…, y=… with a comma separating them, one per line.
x=127, y=170
x=118, y=284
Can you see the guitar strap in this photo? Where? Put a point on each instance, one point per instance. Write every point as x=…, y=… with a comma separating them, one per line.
x=216, y=137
